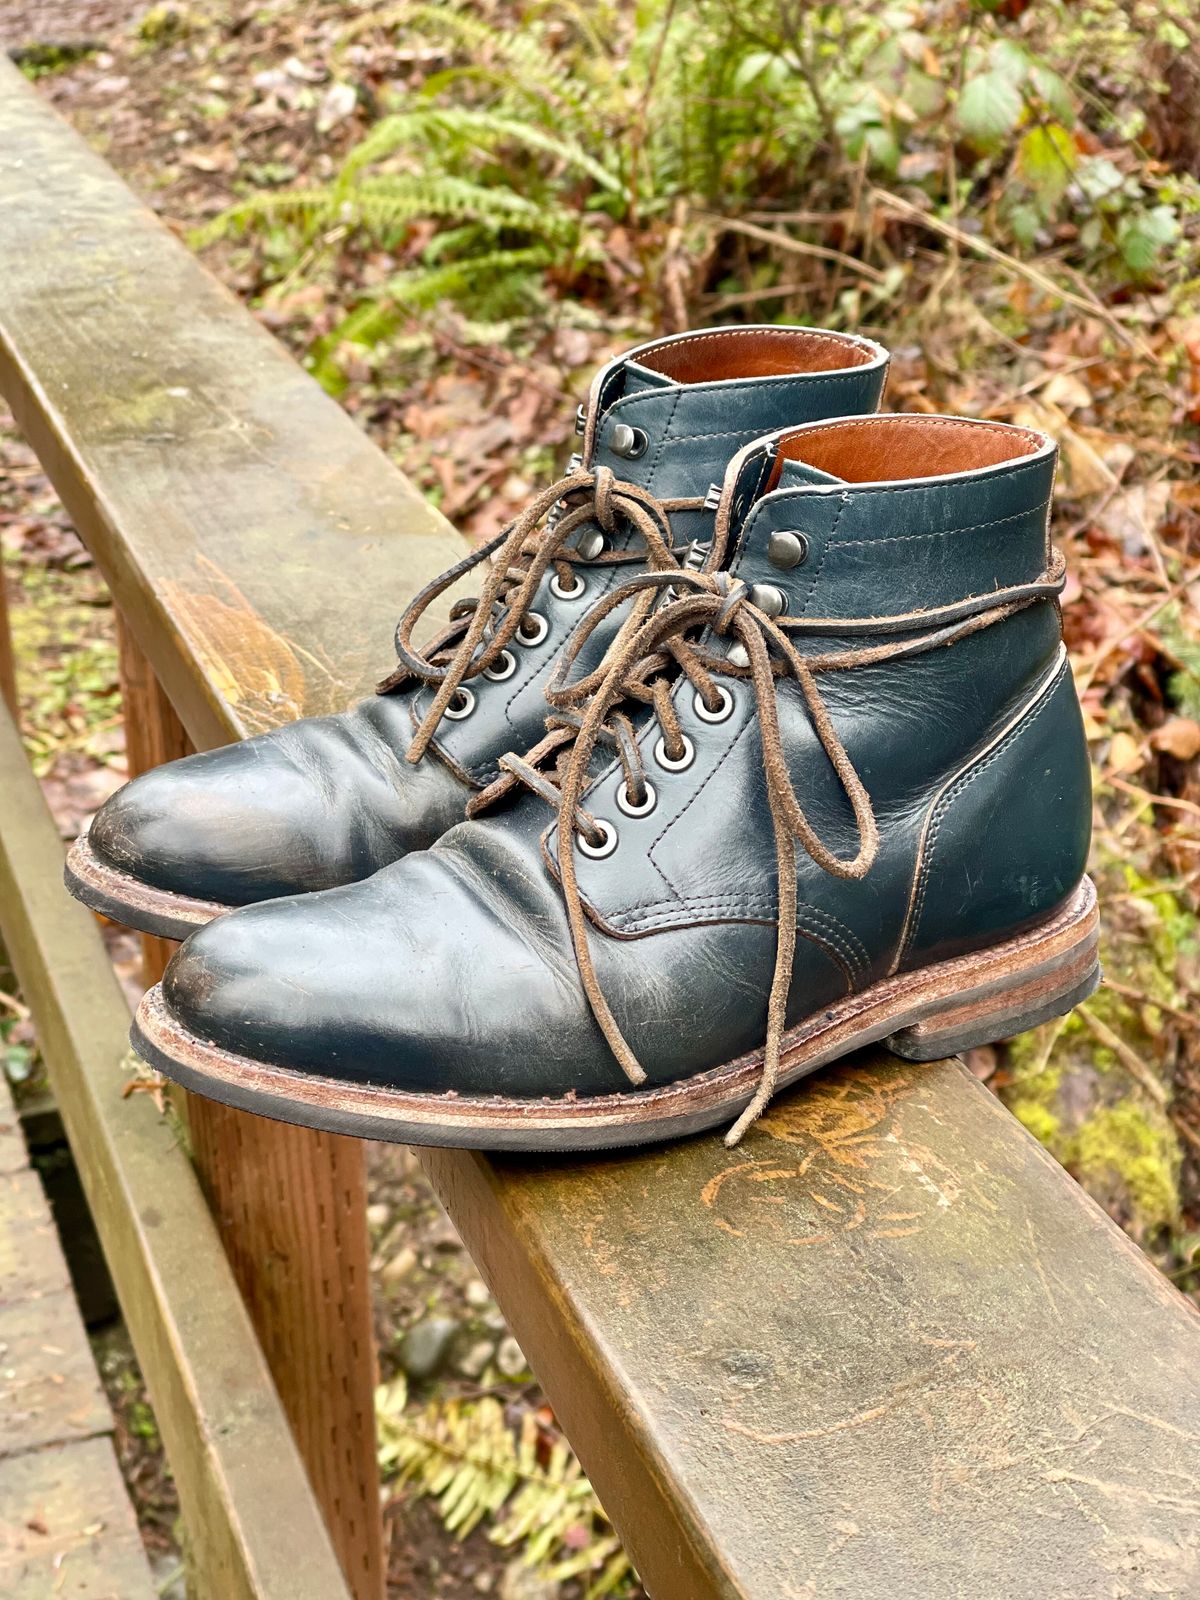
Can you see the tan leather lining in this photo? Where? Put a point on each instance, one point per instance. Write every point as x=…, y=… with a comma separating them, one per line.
x=875, y=449
x=752, y=353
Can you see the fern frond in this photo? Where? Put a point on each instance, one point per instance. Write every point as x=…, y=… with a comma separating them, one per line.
x=467, y=1457
x=308, y=209
x=385, y=200
x=460, y=124
x=533, y=71
x=482, y=275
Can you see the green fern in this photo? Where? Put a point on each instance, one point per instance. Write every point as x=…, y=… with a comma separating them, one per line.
x=465, y=1456
x=1184, y=647
x=464, y=126
x=517, y=60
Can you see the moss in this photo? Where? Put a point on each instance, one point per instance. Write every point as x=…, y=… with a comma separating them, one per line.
x=1033, y=1091
x=1129, y=1153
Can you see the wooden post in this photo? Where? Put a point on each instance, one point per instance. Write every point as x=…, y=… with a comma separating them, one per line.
x=8, y=674
x=290, y=1206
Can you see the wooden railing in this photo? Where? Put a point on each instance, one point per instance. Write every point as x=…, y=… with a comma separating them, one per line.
x=885, y=1348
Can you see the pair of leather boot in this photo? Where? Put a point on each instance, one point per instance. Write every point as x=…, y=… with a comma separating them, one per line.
x=768, y=748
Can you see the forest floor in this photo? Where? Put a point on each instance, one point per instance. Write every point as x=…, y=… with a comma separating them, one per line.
x=192, y=104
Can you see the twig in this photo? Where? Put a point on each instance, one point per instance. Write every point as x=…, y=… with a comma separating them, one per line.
x=10, y=1003
x=1129, y=1059
x=1142, y=998
x=1084, y=682
x=1139, y=793
x=1022, y=269
x=799, y=247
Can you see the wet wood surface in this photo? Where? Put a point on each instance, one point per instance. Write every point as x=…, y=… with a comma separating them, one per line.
x=254, y=1527
x=886, y=1348
x=66, y=1523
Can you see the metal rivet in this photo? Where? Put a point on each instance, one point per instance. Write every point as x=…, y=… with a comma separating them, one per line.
x=787, y=550
x=769, y=600
x=713, y=498
x=580, y=417
x=738, y=655
x=628, y=442
x=589, y=544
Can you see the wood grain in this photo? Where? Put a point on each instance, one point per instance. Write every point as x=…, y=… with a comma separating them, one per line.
x=8, y=671
x=290, y=1207
x=254, y=1527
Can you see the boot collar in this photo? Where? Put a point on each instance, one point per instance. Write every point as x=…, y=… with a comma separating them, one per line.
x=821, y=514
x=668, y=415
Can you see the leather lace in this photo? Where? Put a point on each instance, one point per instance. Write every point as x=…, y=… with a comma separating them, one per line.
x=651, y=651
x=482, y=627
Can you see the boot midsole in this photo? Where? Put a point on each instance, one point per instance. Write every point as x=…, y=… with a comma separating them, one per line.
x=978, y=998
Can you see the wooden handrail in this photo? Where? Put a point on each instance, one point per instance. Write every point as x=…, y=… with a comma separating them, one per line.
x=254, y=1528
x=886, y=1347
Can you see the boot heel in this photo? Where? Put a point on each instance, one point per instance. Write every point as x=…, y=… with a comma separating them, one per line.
x=1017, y=985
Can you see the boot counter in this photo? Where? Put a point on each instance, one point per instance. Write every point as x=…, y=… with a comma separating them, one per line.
x=1006, y=840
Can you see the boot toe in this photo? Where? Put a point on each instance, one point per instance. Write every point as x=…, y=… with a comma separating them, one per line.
x=400, y=981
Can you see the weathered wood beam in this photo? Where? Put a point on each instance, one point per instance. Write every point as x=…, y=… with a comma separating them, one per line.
x=254, y=1527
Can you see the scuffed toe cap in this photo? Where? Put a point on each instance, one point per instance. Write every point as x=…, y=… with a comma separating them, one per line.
x=405, y=981
x=192, y=828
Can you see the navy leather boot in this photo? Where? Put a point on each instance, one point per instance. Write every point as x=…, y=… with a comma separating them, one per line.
x=833, y=789
x=330, y=800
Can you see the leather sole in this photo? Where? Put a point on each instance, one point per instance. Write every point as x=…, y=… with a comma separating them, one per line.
x=924, y=1015
x=123, y=898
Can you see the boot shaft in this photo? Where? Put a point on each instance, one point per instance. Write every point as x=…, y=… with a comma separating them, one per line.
x=667, y=417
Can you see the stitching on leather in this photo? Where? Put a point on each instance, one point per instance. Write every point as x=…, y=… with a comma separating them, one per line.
x=941, y=533
x=830, y=931
x=679, y=815
x=805, y=491
x=1003, y=431
x=804, y=380
x=959, y=786
x=799, y=335
x=657, y=462
x=658, y=913
x=825, y=548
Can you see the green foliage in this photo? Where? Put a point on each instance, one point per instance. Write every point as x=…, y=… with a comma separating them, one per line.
x=1184, y=648
x=71, y=701
x=465, y=1456
x=538, y=137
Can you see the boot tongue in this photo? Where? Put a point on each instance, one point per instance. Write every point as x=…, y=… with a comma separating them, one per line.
x=795, y=474
x=638, y=379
